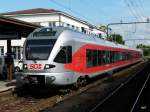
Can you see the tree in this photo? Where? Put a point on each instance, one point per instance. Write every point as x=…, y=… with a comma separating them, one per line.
x=116, y=38
x=145, y=48
x=102, y=28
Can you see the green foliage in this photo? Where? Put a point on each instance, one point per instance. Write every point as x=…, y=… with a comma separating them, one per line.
x=102, y=28
x=116, y=38
x=145, y=48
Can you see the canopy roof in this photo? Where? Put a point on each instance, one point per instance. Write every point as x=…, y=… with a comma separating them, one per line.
x=12, y=26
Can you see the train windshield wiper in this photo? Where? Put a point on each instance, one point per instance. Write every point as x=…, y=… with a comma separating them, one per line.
x=35, y=59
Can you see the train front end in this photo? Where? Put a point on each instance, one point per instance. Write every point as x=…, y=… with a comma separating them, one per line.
x=40, y=50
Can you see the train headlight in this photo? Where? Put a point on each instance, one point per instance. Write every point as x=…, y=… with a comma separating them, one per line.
x=48, y=66
x=25, y=66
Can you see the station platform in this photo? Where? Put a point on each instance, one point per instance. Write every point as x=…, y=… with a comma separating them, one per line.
x=7, y=85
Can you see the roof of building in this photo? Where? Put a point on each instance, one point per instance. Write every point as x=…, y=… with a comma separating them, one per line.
x=44, y=11
x=41, y=11
x=22, y=27
x=31, y=11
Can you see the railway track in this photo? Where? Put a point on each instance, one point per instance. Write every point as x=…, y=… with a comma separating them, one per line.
x=128, y=97
x=12, y=103
x=34, y=103
x=142, y=103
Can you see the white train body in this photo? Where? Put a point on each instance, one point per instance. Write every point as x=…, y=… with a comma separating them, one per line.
x=60, y=56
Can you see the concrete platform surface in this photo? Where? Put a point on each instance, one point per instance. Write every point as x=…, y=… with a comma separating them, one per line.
x=7, y=85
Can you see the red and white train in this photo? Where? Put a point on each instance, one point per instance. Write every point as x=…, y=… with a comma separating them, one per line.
x=61, y=56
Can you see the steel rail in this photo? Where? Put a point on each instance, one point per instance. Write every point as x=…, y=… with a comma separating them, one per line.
x=116, y=90
x=137, y=99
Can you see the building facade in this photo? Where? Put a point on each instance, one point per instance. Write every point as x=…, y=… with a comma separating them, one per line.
x=46, y=17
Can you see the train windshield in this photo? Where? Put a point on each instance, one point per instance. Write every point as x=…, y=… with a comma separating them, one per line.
x=44, y=32
x=39, y=49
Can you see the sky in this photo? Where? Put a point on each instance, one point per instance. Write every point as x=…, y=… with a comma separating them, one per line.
x=93, y=11
x=96, y=12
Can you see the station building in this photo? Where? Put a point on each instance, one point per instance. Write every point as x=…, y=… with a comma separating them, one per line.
x=46, y=17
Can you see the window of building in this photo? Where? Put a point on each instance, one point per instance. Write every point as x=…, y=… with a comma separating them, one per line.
x=1, y=50
x=57, y=23
x=17, y=52
x=83, y=30
x=73, y=27
x=62, y=24
x=52, y=24
x=64, y=55
x=99, y=35
x=68, y=25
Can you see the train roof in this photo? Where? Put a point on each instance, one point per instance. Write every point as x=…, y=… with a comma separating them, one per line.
x=80, y=36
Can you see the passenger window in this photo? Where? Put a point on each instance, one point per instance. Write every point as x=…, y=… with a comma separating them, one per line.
x=107, y=57
x=99, y=58
x=95, y=58
x=124, y=56
x=104, y=57
x=64, y=55
x=89, y=58
x=120, y=56
x=92, y=58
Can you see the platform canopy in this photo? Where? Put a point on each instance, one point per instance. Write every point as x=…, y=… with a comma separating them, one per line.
x=14, y=29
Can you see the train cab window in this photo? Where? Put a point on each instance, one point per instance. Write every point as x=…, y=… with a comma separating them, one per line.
x=64, y=55
x=39, y=49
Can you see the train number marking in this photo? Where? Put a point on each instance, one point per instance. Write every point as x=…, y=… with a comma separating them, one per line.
x=35, y=66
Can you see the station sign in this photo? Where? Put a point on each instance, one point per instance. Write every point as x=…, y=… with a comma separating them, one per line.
x=9, y=35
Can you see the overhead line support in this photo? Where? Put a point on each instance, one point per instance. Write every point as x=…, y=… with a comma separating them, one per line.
x=125, y=24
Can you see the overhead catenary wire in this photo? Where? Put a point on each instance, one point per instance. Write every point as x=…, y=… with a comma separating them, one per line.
x=141, y=5
x=131, y=10
x=134, y=5
x=73, y=11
